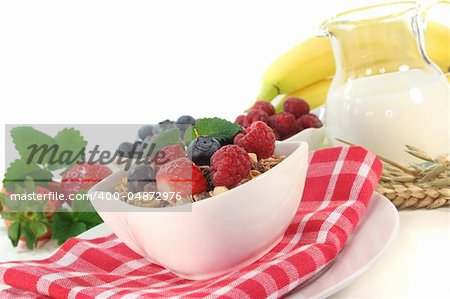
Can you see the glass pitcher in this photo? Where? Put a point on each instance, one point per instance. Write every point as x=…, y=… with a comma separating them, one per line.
x=386, y=92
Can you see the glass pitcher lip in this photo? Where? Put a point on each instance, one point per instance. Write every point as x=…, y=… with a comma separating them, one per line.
x=379, y=12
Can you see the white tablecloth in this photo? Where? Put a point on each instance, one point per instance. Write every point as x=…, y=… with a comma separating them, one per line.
x=416, y=266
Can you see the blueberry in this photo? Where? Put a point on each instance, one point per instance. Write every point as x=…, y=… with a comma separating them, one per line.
x=209, y=184
x=138, y=149
x=202, y=148
x=124, y=149
x=162, y=126
x=186, y=120
x=145, y=131
x=140, y=176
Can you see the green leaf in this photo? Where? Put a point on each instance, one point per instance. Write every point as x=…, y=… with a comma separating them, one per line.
x=69, y=140
x=189, y=135
x=70, y=224
x=19, y=169
x=23, y=137
x=163, y=139
x=219, y=128
x=82, y=205
x=30, y=237
x=64, y=226
x=39, y=229
x=14, y=233
x=8, y=216
x=91, y=219
x=29, y=184
x=3, y=199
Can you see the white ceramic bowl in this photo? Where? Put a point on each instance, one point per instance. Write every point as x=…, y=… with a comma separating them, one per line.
x=220, y=234
x=313, y=136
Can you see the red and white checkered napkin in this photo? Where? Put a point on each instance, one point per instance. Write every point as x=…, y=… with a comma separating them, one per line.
x=339, y=185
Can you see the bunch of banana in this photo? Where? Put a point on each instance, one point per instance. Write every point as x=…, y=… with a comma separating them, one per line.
x=306, y=70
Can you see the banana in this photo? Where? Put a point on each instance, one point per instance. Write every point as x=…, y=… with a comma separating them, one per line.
x=312, y=61
x=306, y=63
x=437, y=44
x=315, y=94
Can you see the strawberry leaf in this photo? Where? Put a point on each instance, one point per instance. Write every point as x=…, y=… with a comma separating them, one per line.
x=30, y=237
x=221, y=129
x=19, y=169
x=70, y=144
x=24, y=137
x=67, y=224
x=39, y=229
x=14, y=233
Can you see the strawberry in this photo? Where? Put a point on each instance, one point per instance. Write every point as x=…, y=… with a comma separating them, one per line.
x=181, y=176
x=83, y=177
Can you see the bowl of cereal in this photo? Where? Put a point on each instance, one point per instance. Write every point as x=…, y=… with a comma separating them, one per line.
x=199, y=234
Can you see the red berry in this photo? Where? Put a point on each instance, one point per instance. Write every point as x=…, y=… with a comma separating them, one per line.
x=167, y=154
x=296, y=106
x=310, y=121
x=258, y=138
x=229, y=165
x=299, y=125
x=264, y=106
x=240, y=119
x=181, y=176
x=83, y=177
x=284, y=124
x=254, y=116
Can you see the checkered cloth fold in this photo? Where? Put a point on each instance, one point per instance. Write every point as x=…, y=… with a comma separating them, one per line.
x=340, y=182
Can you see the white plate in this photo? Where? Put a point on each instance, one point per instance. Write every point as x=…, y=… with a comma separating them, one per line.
x=376, y=232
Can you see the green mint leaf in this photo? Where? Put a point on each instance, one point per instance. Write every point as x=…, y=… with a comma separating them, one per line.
x=163, y=139
x=70, y=144
x=189, y=135
x=14, y=233
x=24, y=137
x=219, y=128
x=19, y=169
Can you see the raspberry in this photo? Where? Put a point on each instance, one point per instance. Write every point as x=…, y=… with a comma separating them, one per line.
x=229, y=165
x=181, y=176
x=284, y=124
x=240, y=119
x=167, y=154
x=254, y=116
x=259, y=138
x=264, y=106
x=296, y=106
x=83, y=177
x=310, y=121
x=299, y=125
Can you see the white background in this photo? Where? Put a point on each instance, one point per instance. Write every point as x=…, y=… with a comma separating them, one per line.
x=142, y=62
